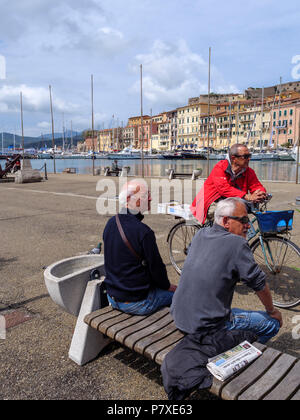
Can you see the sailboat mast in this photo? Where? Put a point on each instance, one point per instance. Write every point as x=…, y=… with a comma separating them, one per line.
x=63, y=147
x=238, y=121
x=22, y=125
x=298, y=153
x=228, y=132
x=208, y=112
x=271, y=123
x=279, y=106
x=71, y=136
x=52, y=123
x=151, y=132
x=92, y=100
x=262, y=113
x=142, y=131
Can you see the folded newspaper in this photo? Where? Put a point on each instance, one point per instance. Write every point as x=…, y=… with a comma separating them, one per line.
x=226, y=364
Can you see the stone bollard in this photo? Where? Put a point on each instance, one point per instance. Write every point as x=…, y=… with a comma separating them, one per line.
x=170, y=173
x=196, y=174
x=125, y=171
x=297, y=201
x=26, y=176
x=98, y=171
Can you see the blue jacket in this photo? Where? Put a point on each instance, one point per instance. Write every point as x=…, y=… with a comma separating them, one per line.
x=127, y=280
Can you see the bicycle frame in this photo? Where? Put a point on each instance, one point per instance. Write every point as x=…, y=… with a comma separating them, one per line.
x=252, y=233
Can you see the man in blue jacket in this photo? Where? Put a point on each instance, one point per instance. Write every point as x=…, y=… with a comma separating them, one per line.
x=136, y=277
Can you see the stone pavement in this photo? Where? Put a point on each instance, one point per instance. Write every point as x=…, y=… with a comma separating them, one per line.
x=43, y=223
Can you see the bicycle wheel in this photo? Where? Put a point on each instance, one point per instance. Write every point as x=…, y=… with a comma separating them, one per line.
x=180, y=238
x=280, y=260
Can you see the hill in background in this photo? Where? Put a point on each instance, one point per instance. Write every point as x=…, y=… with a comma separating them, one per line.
x=38, y=142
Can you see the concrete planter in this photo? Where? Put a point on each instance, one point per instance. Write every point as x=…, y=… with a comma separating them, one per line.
x=67, y=280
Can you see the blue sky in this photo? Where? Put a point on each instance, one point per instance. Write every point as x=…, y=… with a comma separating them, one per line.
x=63, y=42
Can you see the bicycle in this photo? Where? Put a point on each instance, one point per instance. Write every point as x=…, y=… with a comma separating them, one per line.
x=269, y=240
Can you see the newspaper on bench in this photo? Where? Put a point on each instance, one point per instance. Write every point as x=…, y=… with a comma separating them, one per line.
x=226, y=364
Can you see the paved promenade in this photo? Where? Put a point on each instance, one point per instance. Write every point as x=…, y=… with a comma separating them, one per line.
x=43, y=223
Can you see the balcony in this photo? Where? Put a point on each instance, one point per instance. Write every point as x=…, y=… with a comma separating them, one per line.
x=247, y=120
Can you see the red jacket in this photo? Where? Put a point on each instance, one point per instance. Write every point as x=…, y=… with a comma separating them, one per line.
x=221, y=183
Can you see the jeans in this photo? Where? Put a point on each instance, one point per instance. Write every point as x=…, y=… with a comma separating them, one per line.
x=156, y=299
x=260, y=323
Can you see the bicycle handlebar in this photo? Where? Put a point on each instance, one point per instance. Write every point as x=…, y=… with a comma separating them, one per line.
x=255, y=207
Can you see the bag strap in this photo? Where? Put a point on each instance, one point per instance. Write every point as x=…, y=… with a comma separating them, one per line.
x=125, y=240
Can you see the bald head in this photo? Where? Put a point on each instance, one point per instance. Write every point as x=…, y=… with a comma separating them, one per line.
x=135, y=196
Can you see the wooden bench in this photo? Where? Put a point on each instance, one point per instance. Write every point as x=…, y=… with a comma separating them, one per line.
x=70, y=171
x=273, y=376
x=112, y=172
x=116, y=172
x=180, y=175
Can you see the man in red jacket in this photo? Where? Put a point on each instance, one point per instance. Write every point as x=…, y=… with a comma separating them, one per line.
x=229, y=178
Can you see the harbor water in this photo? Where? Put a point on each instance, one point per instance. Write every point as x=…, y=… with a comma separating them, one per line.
x=265, y=170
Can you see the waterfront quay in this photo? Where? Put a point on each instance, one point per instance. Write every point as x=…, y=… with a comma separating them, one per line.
x=45, y=222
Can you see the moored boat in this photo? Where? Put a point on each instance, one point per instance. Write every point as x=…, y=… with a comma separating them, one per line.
x=193, y=155
x=126, y=153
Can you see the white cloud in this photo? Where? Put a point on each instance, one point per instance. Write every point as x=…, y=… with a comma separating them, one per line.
x=83, y=122
x=173, y=73
x=44, y=125
x=35, y=99
x=60, y=27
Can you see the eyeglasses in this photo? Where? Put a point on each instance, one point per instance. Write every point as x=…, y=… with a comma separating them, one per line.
x=246, y=157
x=244, y=220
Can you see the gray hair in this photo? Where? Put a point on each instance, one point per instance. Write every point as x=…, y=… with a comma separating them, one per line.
x=226, y=208
x=126, y=193
x=135, y=187
x=235, y=149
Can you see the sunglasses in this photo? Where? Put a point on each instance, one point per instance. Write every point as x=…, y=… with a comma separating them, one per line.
x=244, y=220
x=246, y=157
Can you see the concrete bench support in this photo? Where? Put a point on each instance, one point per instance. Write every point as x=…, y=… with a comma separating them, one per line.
x=87, y=343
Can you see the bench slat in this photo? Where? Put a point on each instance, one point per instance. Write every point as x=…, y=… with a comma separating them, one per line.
x=160, y=349
x=142, y=338
x=267, y=382
x=143, y=328
x=99, y=317
x=287, y=386
x=142, y=345
x=240, y=383
x=113, y=321
x=88, y=318
x=296, y=397
x=114, y=329
x=144, y=323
